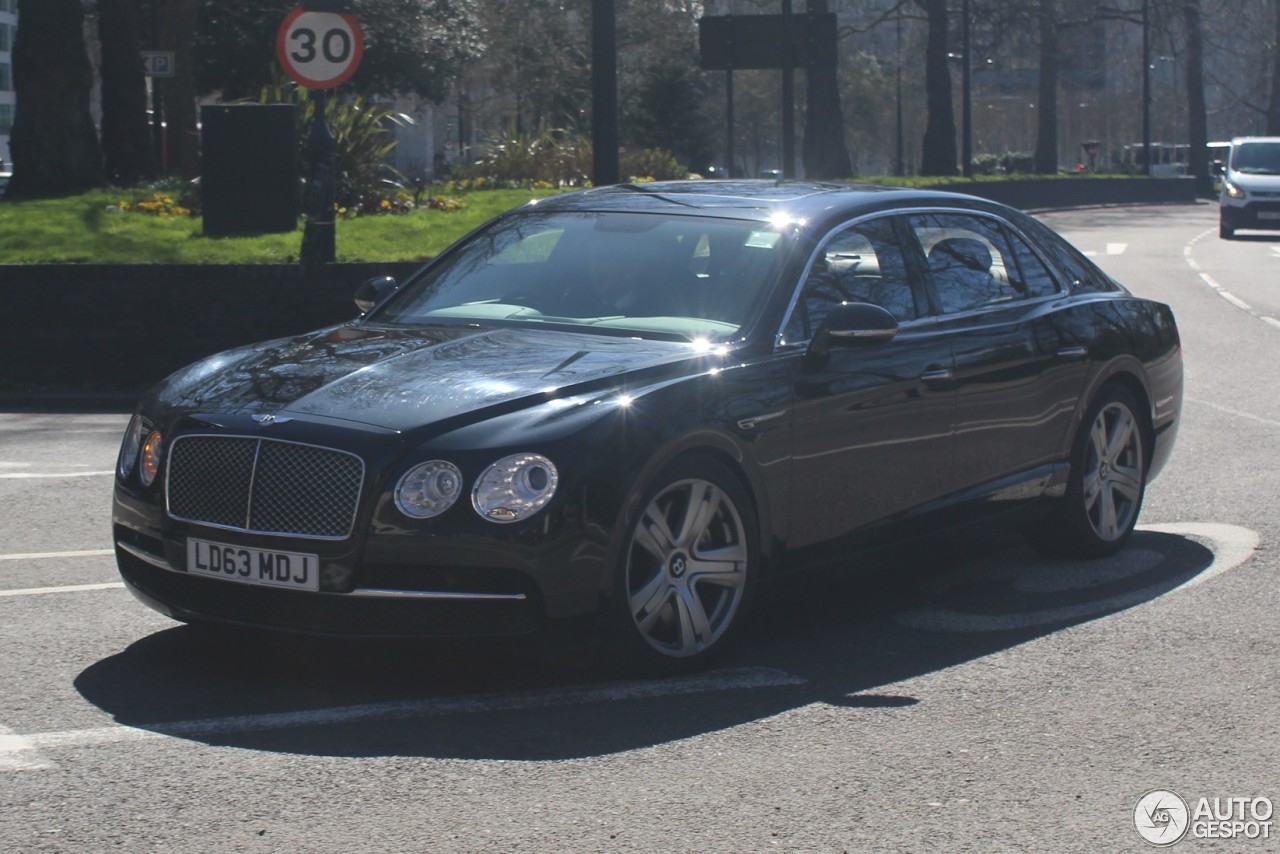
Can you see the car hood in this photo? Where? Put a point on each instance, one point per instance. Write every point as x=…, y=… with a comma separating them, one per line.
x=1256, y=183
x=399, y=379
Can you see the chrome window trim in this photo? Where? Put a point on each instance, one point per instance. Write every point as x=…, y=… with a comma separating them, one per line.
x=258, y=440
x=779, y=342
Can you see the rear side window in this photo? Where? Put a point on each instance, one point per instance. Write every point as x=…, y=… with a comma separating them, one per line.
x=1030, y=273
x=1082, y=275
x=971, y=264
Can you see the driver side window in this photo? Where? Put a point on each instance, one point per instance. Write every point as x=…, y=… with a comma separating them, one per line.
x=860, y=263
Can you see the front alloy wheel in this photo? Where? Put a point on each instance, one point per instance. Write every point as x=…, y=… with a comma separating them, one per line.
x=686, y=563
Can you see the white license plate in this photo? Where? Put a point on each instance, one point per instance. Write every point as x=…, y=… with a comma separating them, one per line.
x=1268, y=214
x=290, y=570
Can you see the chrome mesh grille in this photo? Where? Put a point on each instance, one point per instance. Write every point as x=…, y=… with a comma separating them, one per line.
x=264, y=485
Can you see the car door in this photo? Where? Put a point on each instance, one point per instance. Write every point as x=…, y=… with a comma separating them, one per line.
x=872, y=423
x=1020, y=356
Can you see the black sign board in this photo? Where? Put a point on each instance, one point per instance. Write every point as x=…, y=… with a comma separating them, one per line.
x=755, y=41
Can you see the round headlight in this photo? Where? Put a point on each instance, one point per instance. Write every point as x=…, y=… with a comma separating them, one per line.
x=428, y=489
x=515, y=487
x=129, y=447
x=151, y=450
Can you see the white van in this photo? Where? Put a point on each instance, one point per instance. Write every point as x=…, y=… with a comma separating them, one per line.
x=1250, y=196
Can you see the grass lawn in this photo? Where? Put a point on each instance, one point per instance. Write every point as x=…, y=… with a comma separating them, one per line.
x=89, y=228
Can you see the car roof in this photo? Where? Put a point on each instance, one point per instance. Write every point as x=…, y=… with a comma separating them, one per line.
x=750, y=199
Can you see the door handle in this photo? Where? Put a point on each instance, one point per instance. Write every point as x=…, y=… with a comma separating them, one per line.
x=1078, y=352
x=937, y=375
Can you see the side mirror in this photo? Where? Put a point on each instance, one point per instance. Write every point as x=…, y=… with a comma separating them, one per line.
x=374, y=291
x=1217, y=167
x=853, y=324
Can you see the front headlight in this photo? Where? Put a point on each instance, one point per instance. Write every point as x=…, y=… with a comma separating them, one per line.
x=428, y=489
x=129, y=448
x=515, y=487
x=1232, y=190
x=151, y=452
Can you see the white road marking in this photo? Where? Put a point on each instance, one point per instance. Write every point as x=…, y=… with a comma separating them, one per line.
x=1231, y=545
x=1270, y=422
x=1217, y=288
x=44, y=555
x=31, y=475
x=15, y=748
x=1116, y=248
x=66, y=588
x=18, y=753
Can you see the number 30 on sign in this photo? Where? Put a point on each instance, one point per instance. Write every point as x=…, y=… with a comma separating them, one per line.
x=319, y=50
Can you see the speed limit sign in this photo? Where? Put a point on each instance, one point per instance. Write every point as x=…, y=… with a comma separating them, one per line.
x=319, y=50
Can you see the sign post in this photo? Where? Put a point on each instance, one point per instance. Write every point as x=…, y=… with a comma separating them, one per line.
x=319, y=45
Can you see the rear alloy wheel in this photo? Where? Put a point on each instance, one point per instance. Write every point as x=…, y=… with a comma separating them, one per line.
x=1107, y=480
x=687, y=565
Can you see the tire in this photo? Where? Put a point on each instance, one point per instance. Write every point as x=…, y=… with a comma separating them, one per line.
x=1106, y=483
x=686, y=569
x=1225, y=231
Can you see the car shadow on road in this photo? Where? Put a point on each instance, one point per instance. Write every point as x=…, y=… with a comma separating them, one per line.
x=847, y=640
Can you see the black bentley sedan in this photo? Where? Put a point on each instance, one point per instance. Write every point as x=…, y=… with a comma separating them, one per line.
x=636, y=403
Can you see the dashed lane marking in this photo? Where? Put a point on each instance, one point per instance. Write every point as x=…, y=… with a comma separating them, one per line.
x=1218, y=288
x=47, y=555
x=18, y=753
x=23, y=752
x=66, y=588
x=32, y=475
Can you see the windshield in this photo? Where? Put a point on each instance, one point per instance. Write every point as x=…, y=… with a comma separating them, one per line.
x=670, y=275
x=1256, y=158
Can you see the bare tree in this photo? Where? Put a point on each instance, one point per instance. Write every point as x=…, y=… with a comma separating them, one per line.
x=125, y=131
x=1046, y=156
x=1197, y=117
x=1273, y=103
x=53, y=142
x=938, y=155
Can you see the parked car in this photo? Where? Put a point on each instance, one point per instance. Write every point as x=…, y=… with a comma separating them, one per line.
x=637, y=403
x=1249, y=196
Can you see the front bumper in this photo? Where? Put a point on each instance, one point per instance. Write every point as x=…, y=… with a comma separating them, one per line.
x=1262, y=215
x=364, y=612
x=371, y=585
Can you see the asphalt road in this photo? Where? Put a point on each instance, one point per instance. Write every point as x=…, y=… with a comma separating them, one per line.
x=968, y=698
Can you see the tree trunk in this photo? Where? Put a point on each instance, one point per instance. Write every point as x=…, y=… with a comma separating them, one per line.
x=1273, y=106
x=825, y=154
x=53, y=142
x=125, y=131
x=1046, y=158
x=177, y=33
x=938, y=155
x=1197, y=116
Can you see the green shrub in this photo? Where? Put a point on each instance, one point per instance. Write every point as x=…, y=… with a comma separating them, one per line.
x=555, y=159
x=1011, y=162
x=650, y=163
